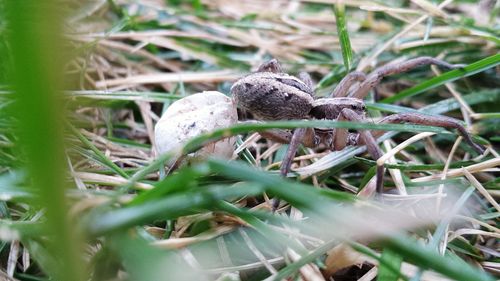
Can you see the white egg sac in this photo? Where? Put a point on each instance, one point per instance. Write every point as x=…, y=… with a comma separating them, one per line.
x=195, y=115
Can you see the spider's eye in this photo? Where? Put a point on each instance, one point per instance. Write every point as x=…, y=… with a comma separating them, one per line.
x=358, y=107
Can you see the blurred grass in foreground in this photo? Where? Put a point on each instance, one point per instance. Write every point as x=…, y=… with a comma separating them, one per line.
x=36, y=77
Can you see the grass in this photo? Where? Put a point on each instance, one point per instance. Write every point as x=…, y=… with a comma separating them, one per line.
x=84, y=196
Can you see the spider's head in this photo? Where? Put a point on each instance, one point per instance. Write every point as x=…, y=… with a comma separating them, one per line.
x=330, y=108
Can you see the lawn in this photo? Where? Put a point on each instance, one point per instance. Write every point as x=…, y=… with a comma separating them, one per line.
x=85, y=194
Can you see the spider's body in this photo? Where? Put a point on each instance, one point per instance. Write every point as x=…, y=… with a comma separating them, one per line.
x=271, y=94
x=280, y=96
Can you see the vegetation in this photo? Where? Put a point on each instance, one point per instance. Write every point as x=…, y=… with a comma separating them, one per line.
x=84, y=197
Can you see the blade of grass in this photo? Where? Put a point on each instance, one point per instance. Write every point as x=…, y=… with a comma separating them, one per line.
x=98, y=153
x=171, y=207
x=36, y=46
x=275, y=184
x=390, y=267
x=12, y=230
x=421, y=167
x=428, y=258
x=145, y=262
x=464, y=247
x=368, y=176
x=321, y=250
x=129, y=143
x=443, y=226
x=262, y=227
x=122, y=95
x=199, y=141
x=157, y=164
x=343, y=33
x=290, y=269
x=336, y=74
x=446, y=77
x=245, y=153
x=181, y=180
x=392, y=260
x=13, y=188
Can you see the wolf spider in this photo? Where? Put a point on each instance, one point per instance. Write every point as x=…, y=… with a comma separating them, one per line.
x=271, y=94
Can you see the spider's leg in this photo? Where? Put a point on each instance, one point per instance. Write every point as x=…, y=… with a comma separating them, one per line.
x=277, y=135
x=346, y=83
x=341, y=138
x=306, y=78
x=270, y=66
x=297, y=137
x=283, y=136
x=439, y=121
x=376, y=76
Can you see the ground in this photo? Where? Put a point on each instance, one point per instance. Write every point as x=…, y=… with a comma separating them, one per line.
x=81, y=183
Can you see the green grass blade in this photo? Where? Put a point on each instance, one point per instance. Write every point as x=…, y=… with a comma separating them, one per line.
x=491, y=115
x=14, y=189
x=36, y=45
x=427, y=258
x=171, y=207
x=290, y=269
x=418, y=167
x=199, y=141
x=295, y=266
x=391, y=260
x=146, y=262
x=449, y=76
x=343, y=33
x=157, y=164
x=22, y=229
x=181, y=180
x=444, y=224
x=121, y=95
x=262, y=227
x=389, y=267
x=103, y=159
x=303, y=196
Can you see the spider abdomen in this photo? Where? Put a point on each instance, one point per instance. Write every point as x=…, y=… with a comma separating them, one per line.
x=273, y=96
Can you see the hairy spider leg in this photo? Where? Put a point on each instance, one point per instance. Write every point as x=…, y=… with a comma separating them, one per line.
x=346, y=83
x=275, y=67
x=374, y=78
x=306, y=78
x=340, y=138
x=422, y=119
x=270, y=66
x=297, y=137
x=277, y=135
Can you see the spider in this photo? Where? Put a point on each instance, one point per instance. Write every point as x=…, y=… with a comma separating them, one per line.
x=271, y=94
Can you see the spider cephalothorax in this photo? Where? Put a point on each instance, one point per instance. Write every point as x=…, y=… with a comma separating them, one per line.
x=271, y=94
